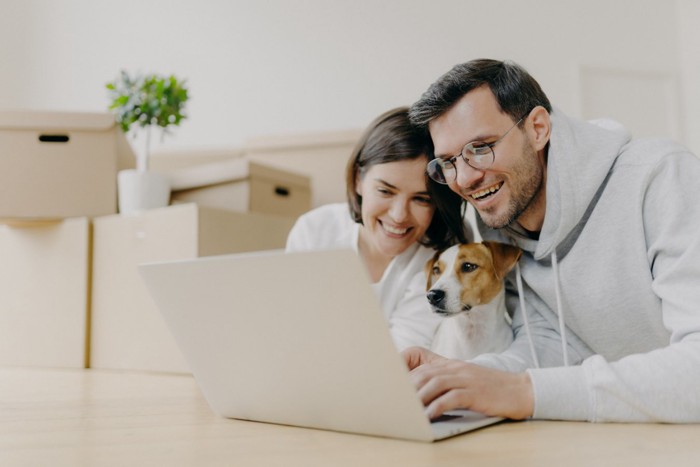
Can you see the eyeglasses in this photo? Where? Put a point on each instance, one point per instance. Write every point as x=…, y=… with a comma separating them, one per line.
x=476, y=154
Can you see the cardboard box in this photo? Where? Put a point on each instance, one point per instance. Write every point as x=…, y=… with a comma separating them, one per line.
x=58, y=165
x=44, y=278
x=241, y=185
x=127, y=329
x=322, y=156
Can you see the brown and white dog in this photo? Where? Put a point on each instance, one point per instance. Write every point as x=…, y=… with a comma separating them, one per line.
x=465, y=286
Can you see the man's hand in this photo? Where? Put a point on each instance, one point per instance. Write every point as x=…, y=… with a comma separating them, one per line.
x=445, y=384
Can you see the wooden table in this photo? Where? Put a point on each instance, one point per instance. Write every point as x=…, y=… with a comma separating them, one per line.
x=101, y=418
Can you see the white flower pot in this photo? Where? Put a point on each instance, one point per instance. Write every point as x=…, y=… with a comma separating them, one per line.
x=139, y=190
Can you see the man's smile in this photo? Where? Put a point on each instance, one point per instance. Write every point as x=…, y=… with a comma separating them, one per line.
x=486, y=192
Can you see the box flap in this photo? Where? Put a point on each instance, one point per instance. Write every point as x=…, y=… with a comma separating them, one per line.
x=239, y=168
x=269, y=172
x=18, y=222
x=42, y=121
x=180, y=158
x=207, y=174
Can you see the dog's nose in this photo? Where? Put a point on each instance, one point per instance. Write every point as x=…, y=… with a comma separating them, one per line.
x=435, y=296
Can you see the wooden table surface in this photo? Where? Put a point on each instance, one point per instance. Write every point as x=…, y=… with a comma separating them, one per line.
x=100, y=418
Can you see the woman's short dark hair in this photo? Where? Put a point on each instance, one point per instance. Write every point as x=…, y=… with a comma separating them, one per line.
x=390, y=138
x=516, y=91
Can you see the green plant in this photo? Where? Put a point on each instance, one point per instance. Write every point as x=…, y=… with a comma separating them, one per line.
x=146, y=101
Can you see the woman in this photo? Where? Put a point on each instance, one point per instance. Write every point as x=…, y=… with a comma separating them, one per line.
x=391, y=221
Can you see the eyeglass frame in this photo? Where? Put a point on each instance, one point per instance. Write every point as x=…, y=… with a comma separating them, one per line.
x=470, y=147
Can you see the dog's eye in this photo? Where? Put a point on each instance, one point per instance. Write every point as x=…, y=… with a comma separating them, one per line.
x=469, y=267
x=436, y=270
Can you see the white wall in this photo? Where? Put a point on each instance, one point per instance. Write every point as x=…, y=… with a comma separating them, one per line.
x=689, y=51
x=259, y=67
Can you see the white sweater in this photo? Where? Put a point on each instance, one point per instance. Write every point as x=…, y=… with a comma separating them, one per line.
x=401, y=290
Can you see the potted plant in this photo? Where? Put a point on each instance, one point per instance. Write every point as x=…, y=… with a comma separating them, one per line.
x=145, y=101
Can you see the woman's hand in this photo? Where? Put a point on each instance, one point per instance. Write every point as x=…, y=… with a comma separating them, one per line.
x=417, y=356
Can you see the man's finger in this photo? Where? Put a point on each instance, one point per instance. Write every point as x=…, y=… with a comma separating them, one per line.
x=451, y=400
x=438, y=384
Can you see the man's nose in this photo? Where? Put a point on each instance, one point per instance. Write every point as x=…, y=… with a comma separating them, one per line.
x=467, y=176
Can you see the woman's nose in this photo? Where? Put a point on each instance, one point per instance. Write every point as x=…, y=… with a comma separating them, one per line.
x=399, y=210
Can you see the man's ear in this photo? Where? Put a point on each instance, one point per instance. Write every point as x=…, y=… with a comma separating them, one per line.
x=538, y=127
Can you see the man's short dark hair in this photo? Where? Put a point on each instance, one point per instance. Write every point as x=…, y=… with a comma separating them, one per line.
x=516, y=92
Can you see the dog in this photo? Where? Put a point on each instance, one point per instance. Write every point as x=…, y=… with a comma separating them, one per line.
x=466, y=286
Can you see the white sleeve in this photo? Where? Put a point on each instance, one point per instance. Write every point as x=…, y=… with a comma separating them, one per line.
x=301, y=237
x=412, y=323
x=326, y=227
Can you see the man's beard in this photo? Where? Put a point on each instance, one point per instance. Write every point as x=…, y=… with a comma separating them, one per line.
x=524, y=187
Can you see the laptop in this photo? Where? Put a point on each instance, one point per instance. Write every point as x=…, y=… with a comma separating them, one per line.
x=294, y=339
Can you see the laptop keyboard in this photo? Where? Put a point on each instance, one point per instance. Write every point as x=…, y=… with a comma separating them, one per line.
x=445, y=418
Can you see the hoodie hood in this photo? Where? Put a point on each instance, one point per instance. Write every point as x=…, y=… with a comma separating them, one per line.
x=579, y=158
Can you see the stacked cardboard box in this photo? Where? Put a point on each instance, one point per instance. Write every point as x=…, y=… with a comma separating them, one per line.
x=57, y=165
x=70, y=294
x=127, y=329
x=56, y=170
x=237, y=184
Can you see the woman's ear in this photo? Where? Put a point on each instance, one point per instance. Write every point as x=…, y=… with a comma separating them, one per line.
x=358, y=183
x=540, y=127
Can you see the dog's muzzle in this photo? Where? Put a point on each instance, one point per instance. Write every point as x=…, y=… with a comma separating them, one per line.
x=436, y=297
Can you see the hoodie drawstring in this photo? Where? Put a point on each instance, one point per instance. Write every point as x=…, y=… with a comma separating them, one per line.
x=521, y=296
x=560, y=313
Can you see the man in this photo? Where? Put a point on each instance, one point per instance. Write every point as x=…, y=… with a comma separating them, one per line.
x=610, y=269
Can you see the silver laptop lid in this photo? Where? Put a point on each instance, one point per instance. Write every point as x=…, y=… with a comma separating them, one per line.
x=296, y=339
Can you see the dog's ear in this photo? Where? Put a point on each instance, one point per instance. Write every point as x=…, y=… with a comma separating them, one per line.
x=429, y=270
x=504, y=257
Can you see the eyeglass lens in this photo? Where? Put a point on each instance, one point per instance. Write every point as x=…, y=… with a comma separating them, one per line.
x=476, y=154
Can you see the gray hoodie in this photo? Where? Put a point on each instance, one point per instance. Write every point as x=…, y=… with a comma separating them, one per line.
x=617, y=265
